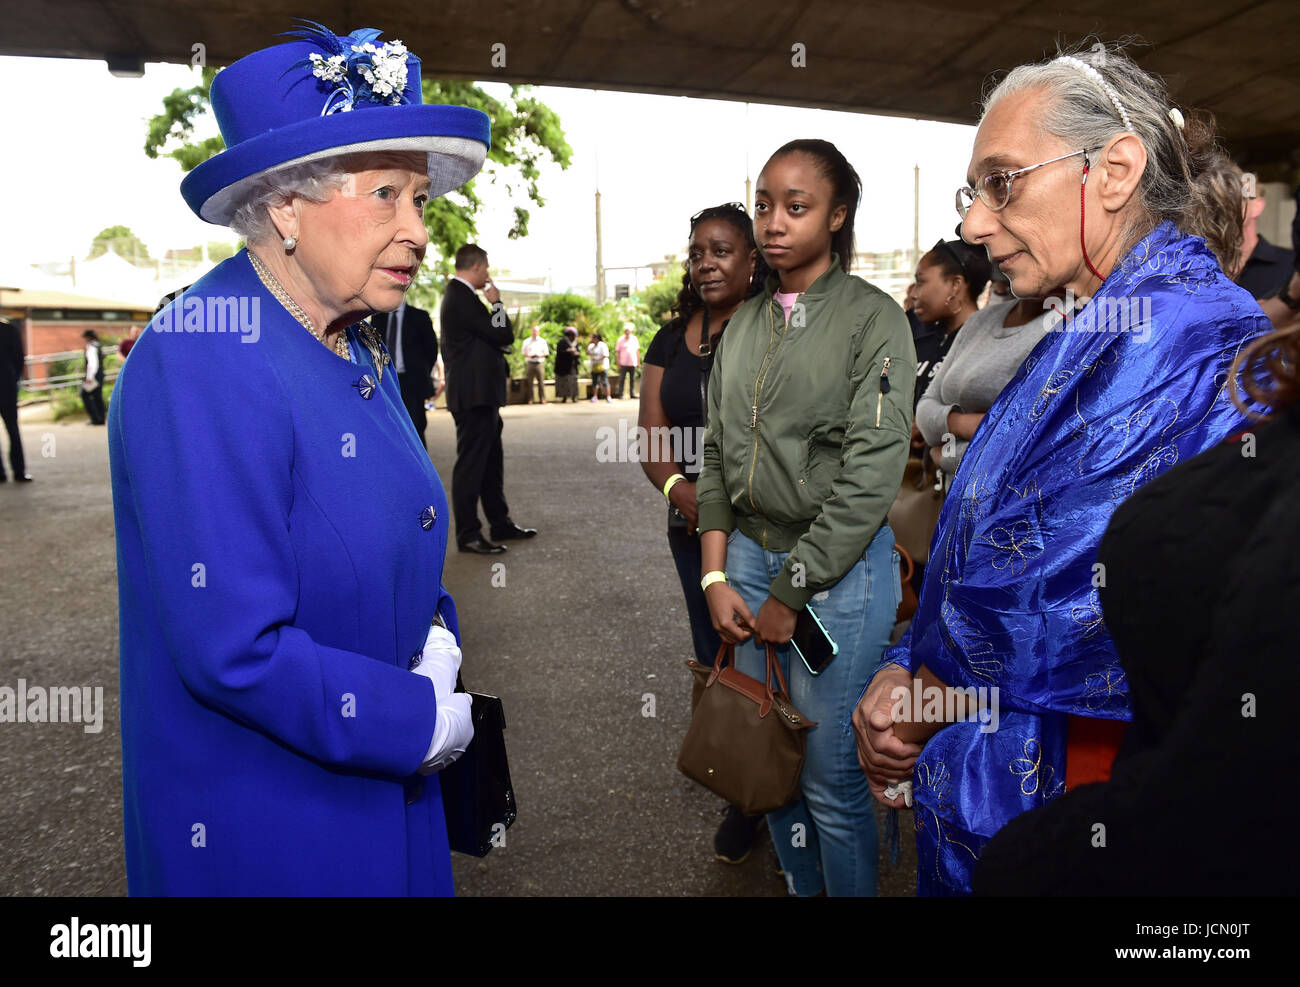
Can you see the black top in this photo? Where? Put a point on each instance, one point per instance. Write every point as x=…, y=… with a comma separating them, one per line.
x=475, y=341
x=1202, y=587
x=419, y=347
x=932, y=345
x=679, y=393
x=566, y=356
x=1267, y=270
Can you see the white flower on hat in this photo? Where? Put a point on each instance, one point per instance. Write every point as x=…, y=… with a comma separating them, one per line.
x=330, y=69
x=386, y=73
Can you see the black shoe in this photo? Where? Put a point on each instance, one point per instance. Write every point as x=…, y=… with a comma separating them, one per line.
x=480, y=546
x=512, y=533
x=25, y=478
x=735, y=837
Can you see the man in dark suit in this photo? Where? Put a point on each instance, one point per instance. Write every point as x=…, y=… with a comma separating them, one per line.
x=413, y=346
x=12, y=371
x=474, y=344
x=92, y=388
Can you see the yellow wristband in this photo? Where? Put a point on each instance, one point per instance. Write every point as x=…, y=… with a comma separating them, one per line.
x=716, y=576
x=668, y=484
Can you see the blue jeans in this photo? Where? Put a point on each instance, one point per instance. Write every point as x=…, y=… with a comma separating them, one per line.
x=826, y=839
x=687, y=558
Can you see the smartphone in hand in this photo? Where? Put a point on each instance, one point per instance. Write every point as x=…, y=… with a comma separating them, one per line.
x=812, y=642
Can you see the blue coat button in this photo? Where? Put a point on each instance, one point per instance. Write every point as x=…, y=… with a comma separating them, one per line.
x=427, y=517
x=366, y=385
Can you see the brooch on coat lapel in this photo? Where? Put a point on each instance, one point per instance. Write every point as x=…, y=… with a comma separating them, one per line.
x=369, y=335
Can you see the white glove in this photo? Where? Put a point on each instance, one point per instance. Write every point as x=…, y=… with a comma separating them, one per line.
x=452, y=732
x=439, y=661
x=454, y=728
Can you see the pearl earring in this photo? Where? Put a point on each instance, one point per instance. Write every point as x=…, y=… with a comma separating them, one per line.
x=290, y=242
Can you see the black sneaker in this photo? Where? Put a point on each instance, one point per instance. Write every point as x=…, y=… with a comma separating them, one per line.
x=735, y=837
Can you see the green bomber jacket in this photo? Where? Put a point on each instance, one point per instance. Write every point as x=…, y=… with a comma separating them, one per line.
x=808, y=427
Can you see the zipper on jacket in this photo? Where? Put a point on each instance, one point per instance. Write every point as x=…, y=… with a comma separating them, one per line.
x=763, y=369
x=884, y=388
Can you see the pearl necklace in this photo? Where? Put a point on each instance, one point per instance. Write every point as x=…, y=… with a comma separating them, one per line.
x=272, y=284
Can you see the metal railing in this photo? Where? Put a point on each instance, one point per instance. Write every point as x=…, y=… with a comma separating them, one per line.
x=46, y=386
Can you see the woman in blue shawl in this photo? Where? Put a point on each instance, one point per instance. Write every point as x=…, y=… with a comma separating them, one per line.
x=1082, y=175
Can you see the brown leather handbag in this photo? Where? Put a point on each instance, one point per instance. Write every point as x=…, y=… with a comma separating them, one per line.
x=746, y=741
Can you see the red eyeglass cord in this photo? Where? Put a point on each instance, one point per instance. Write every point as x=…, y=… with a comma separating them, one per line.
x=1082, y=187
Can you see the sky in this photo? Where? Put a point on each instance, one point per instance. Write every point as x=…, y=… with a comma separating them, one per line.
x=75, y=164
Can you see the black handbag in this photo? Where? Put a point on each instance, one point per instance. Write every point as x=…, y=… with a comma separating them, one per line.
x=478, y=800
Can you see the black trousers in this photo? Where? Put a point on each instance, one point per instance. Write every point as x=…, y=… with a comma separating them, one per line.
x=94, y=402
x=414, y=405
x=479, y=473
x=9, y=412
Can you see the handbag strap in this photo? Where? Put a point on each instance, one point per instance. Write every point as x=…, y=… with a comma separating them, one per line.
x=727, y=653
x=774, y=664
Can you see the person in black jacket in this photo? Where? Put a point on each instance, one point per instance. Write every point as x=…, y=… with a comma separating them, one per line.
x=11, y=373
x=474, y=344
x=92, y=388
x=413, y=347
x=567, y=359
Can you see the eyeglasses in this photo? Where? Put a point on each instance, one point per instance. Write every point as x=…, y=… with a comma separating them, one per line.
x=995, y=188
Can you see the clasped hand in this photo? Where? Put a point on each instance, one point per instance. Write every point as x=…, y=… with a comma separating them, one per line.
x=454, y=727
x=883, y=756
x=735, y=622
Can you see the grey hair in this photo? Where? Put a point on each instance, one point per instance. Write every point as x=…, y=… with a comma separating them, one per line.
x=314, y=180
x=1082, y=111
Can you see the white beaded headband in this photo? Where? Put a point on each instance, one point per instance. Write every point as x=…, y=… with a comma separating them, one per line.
x=1096, y=76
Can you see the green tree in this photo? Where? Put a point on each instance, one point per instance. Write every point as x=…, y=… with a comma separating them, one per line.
x=661, y=294
x=219, y=250
x=525, y=132
x=122, y=242
x=563, y=308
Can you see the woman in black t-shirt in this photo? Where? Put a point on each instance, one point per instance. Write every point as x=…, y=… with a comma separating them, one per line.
x=567, y=358
x=722, y=269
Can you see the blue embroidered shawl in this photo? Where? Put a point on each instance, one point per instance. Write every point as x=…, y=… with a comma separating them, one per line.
x=1104, y=403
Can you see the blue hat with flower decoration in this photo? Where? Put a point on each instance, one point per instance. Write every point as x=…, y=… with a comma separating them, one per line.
x=324, y=95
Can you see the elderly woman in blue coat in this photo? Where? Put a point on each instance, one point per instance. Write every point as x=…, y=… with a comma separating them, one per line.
x=288, y=653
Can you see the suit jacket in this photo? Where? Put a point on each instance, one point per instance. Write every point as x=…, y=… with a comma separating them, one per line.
x=419, y=348
x=11, y=355
x=473, y=349
x=271, y=593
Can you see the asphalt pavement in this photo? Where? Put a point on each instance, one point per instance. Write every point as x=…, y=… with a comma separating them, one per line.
x=580, y=630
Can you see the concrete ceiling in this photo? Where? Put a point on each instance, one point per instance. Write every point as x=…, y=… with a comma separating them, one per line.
x=928, y=59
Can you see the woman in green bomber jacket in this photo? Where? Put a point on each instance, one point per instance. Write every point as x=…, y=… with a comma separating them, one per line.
x=809, y=419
